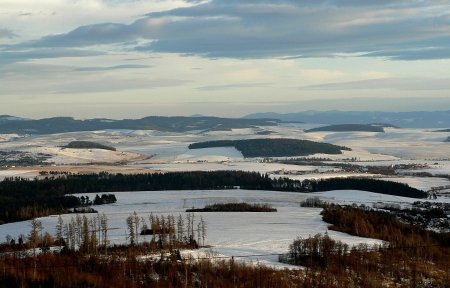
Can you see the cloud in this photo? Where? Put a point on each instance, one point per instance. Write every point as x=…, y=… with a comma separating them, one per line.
x=406, y=30
x=117, y=67
x=6, y=33
x=233, y=86
x=115, y=84
x=386, y=83
x=105, y=33
x=7, y=57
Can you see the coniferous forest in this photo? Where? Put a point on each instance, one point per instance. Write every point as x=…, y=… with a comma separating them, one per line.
x=22, y=199
x=273, y=147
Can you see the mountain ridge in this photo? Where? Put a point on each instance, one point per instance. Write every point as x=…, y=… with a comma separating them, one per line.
x=56, y=125
x=413, y=119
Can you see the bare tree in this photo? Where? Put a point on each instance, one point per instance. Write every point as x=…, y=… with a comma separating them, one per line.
x=192, y=233
x=36, y=228
x=77, y=230
x=85, y=239
x=203, y=229
x=188, y=224
x=131, y=231
x=72, y=234
x=59, y=228
x=172, y=230
x=136, y=220
x=93, y=241
x=163, y=229
x=8, y=239
x=199, y=232
x=104, y=229
x=180, y=228
x=152, y=225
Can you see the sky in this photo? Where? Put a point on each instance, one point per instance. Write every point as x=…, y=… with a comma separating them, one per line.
x=135, y=58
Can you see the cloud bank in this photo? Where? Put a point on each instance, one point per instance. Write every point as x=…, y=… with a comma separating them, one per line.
x=401, y=30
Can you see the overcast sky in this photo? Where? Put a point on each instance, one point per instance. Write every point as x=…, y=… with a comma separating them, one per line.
x=133, y=58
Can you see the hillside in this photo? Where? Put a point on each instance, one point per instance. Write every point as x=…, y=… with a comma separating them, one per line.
x=88, y=145
x=169, y=124
x=273, y=147
x=348, y=128
x=415, y=119
x=7, y=118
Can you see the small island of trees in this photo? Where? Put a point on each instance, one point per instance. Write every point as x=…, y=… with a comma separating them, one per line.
x=234, y=207
x=88, y=145
x=279, y=147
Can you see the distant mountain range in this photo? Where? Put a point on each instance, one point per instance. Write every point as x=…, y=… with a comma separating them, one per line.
x=11, y=124
x=418, y=119
x=443, y=130
x=6, y=118
x=347, y=128
x=437, y=119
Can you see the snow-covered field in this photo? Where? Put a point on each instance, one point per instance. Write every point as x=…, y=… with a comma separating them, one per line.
x=229, y=234
x=238, y=233
x=395, y=144
x=164, y=151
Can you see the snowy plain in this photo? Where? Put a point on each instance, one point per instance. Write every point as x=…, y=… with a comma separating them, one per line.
x=229, y=233
x=239, y=233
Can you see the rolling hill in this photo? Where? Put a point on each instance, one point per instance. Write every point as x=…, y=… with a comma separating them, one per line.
x=168, y=124
x=415, y=119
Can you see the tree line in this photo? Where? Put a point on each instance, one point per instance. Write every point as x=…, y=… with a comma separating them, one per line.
x=234, y=207
x=23, y=199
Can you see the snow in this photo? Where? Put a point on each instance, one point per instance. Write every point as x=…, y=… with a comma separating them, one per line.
x=211, y=155
x=434, y=168
x=230, y=234
x=400, y=143
x=8, y=137
x=240, y=233
x=83, y=156
x=348, y=197
x=170, y=147
x=361, y=197
x=422, y=183
x=327, y=175
x=17, y=173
